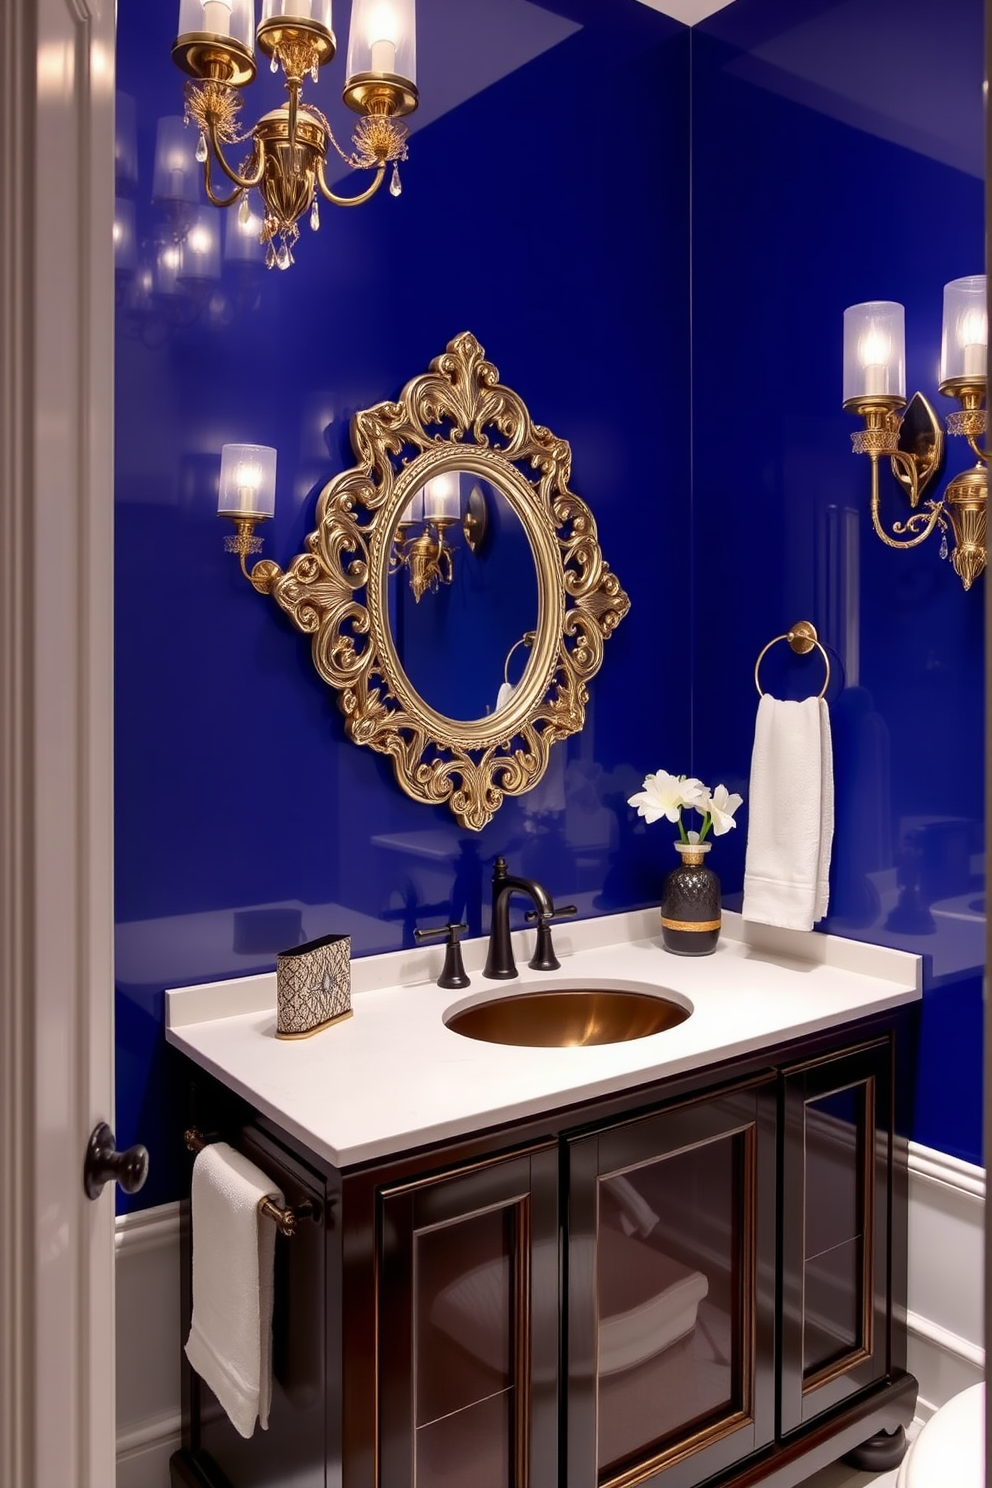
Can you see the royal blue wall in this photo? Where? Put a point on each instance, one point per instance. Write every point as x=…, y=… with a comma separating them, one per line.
x=549, y=214
x=810, y=175
x=551, y=221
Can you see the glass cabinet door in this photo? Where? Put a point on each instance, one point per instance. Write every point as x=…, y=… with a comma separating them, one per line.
x=670, y=1258
x=468, y=1327
x=835, y=1289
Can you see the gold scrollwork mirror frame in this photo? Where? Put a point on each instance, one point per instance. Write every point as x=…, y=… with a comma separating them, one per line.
x=470, y=765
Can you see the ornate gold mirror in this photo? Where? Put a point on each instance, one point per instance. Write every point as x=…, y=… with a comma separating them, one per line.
x=454, y=589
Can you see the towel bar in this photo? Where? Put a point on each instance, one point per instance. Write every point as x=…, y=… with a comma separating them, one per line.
x=802, y=638
x=286, y=1220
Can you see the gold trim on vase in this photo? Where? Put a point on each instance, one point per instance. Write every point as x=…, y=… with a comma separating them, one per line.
x=690, y=924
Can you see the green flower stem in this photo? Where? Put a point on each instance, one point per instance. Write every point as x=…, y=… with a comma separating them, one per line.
x=683, y=834
x=707, y=823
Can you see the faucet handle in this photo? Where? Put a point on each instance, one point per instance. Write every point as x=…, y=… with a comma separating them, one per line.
x=544, y=958
x=453, y=972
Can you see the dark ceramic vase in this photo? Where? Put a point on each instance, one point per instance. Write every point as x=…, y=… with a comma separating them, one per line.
x=690, y=904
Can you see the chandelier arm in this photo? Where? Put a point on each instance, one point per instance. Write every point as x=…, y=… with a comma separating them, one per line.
x=244, y=183
x=936, y=515
x=984, y=455
x=217, y=201
x=350, y=201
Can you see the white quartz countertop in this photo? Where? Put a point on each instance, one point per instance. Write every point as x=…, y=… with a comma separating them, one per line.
x=393, y=1076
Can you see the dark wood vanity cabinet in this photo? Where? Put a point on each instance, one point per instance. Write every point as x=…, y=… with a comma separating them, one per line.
x=701, y=1281
x=670, y=1291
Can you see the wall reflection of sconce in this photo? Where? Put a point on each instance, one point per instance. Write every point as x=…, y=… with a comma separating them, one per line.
x=175, y=184
x=875, y=389
x=247, y=495
x=423, y=550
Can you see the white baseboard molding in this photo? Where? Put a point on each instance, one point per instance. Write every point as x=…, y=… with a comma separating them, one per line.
x=149, y=1414
x=944, y=1317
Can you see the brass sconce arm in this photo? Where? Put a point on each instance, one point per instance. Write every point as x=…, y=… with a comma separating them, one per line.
x=912, y=523
x=350, y=201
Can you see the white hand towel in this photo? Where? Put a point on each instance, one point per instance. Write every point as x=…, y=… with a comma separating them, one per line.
x=790, y=815
x=230, y=1338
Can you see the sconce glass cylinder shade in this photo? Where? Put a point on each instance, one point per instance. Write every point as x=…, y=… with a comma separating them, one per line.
x=414, y=509
x=247, y=481
x=125, y=143
x=125, y=236
x=200, y=249
x=442, y=499
x=383, y=39
x=315, y=12
x=241, y=239
x=177, y=175
x=874, y=352
x=233, y=20
x=965, y=336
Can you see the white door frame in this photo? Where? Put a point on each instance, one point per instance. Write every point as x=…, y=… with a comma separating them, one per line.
x=56, y=739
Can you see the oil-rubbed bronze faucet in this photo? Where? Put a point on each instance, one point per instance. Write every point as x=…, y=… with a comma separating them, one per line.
x=500, y=964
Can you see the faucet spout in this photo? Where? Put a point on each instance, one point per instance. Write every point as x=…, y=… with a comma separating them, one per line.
x=500, y=965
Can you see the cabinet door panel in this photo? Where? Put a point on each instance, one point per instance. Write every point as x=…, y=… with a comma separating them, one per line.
x=468, y=1326
x=836, y=1161
x=671, y=1330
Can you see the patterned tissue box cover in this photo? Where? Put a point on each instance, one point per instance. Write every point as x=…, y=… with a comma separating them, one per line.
x=313, y=986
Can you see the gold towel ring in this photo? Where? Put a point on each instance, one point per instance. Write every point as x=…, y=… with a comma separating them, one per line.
x=802, y=638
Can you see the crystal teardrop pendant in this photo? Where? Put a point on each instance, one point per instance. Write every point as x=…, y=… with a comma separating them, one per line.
x=274, y=64
x=314, y=216
x=943, y=544
x=313, y=71
x=270, y=256
x=244, y=211
x=283, y=258
x=395, y=185
x=201, y=148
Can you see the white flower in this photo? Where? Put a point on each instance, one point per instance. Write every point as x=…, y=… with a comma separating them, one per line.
x=720, y=807
x=666, y=795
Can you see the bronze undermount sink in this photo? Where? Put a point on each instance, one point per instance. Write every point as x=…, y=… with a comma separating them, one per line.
x=566, y=1017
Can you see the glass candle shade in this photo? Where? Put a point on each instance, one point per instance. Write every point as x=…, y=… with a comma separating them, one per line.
x=241, y=239
x=201, y=246
x=247, y=481
x=125, y=236
x=168, y=262
x=414, y=510
x=874, y=351
x=965, y=335
x=125, y=143
x=230, y=19
x=442, y=500
x=177, y=175
x=383, y=39
x=315, y=11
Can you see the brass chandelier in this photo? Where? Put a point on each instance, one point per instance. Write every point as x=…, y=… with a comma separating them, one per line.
x=287, y=149
x=913, y=442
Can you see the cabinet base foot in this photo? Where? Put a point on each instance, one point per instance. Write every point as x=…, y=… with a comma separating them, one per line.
x=880, y=1453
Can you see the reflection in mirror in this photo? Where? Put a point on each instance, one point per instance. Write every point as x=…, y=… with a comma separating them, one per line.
x=454, y=637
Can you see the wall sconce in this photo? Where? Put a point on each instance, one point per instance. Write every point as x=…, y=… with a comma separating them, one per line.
x=247, y=495
x=875, y=389
x=289, y=144
x=423, y=550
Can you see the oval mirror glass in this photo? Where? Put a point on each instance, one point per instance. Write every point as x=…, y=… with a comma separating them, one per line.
x=463, y=597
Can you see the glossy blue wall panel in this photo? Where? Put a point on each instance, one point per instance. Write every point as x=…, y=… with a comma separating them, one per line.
x=552, y=223
x=808, y=198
